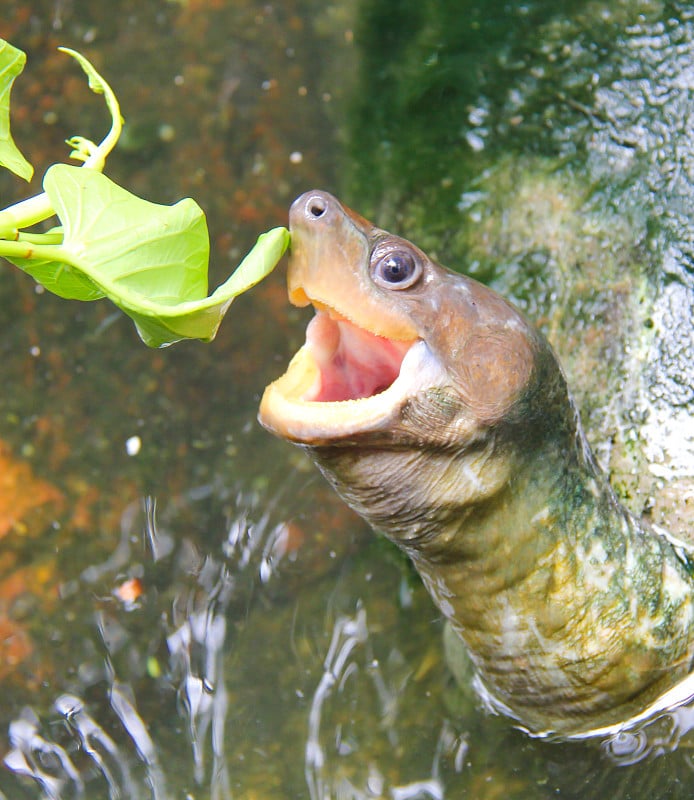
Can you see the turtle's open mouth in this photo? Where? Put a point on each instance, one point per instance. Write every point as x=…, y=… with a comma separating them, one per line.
x=343, y=380
x=351, y=362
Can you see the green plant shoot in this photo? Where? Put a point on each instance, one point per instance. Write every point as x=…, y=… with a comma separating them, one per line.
x=150, y=260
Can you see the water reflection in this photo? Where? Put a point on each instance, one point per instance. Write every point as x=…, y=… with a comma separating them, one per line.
x=195, y=634
x=327, y=751
x=657, y=737
x=35, y=757
x=98, y=745
x=196, y=650
x=110, y=742
x=359, y=706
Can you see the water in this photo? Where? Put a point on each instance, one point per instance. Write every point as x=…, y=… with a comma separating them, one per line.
x=186, y=611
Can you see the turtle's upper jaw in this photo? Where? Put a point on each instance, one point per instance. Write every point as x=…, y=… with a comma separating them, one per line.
x=345, y=380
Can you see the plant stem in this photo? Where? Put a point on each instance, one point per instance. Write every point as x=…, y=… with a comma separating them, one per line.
x=24, y=214
x=54, y=237
x=29, y=250
x=97, y=158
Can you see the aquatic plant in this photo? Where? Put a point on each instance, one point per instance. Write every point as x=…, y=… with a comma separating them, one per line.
x=150, y=260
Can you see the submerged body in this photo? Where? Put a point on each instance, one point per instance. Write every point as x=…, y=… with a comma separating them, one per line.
x=443, y=418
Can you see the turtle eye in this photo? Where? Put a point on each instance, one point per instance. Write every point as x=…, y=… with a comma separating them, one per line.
x=398, y=269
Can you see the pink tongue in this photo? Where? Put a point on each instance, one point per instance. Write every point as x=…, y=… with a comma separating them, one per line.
x=353, y=363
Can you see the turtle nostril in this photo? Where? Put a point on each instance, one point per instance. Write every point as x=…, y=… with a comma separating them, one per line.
x=317, y=206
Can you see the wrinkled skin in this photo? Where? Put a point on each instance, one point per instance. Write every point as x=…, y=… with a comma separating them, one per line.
x=472, y=459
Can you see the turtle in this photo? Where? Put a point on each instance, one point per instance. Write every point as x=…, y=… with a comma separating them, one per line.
x=574, y=204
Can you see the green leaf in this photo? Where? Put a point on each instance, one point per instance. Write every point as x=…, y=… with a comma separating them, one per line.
x=150, y=260
x=59, y=278
x=12, y=63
